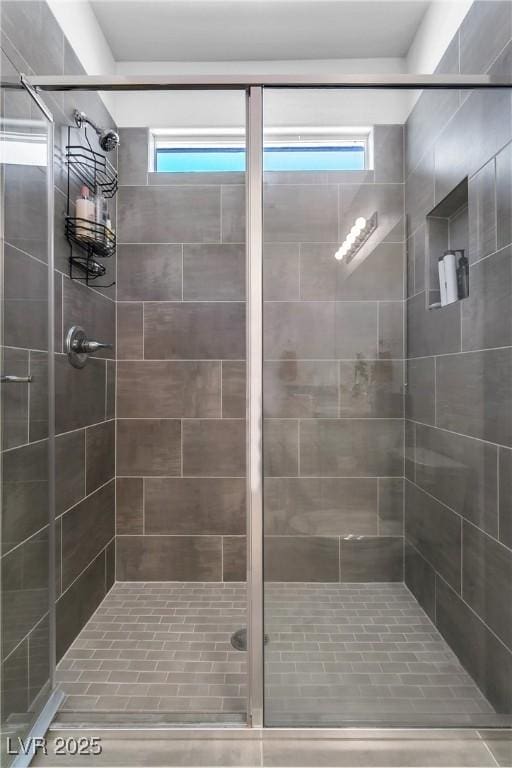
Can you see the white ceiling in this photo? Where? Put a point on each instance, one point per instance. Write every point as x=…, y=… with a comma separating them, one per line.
x=233, y=30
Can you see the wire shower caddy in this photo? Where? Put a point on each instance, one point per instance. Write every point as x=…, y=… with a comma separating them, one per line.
x=88, y=241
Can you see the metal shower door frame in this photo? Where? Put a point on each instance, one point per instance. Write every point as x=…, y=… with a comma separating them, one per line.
x=254, y=86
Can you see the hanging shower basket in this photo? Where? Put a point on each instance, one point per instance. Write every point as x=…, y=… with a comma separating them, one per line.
x=88, y=240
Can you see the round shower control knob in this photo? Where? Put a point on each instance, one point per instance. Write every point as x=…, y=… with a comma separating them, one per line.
x=79, y=347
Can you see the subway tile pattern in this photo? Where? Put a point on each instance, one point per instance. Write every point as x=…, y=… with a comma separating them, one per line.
x=459, y=397
x=159, y=647
x=333, y=650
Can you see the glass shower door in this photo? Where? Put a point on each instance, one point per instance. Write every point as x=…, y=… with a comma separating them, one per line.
x=25, y=142
x=387, y=549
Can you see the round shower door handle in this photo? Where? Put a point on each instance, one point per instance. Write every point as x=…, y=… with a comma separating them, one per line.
x=79, y=347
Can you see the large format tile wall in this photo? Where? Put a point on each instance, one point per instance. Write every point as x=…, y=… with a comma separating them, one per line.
x=180, y=372
x=458, y=500
x=32, y=42
x=333, y=373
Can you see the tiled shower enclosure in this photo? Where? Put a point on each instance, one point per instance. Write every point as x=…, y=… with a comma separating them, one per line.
x=387, y=420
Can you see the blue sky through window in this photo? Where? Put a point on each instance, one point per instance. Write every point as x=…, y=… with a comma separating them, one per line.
x=348, y=157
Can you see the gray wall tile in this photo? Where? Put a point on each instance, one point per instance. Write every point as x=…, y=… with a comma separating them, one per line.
x=100, y=452
x=234, y=557
x=482, y=212
x=391, y=506
x=86, y=530
x=194, y=505
x=461, y=472
x=505, y=496
x=473, y=394
x=149, y=272
x=213, y=448
x=356, y=330
x=301, y=558
x=38, y=400
x=385, y=199
x=353, y=447
x=420, y=578
x=320, y=506
x=298, y=330
x=504, y=196
x=25, y=300
x=420, y=392
x=379, y=275
x=487, y=581
x=486, y=320
x=79, y=602
x=133, y=155
x=233, y=389
x=165, y=389
x=232, y=225
x=130, y=323
x=24, y=189
x=95, y=313
x=481, y=653
x=293, y=213
x=484, y=123
x=372, y=558
x=435, y=532
x=420, y=189
x=148, y=447
x=129, y=505
x=15, y=682
x=484, y=31
x=388, y=148
x=169, y=558
x=371, y=389
x=194, y=331
x=281, y=271
x=24, y=589
x=300, y=388
x=214, y=272
x=14, y=399
x=83, y=392
x=391, y=330
x=25, y=493
x=69, y=469
x=168, y=214
x=432, y=332
x=280, y=457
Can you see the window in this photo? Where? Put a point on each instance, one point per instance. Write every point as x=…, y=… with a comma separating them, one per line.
x=329, y=153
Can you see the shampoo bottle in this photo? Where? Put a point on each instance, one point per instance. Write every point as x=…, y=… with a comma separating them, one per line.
x=450, y=276
x=463, y=275
x=442, y=281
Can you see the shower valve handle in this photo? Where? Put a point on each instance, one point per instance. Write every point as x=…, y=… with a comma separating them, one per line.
x=79, y=347
x=90, y=347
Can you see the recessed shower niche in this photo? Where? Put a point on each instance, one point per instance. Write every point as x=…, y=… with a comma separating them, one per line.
x=447, y=230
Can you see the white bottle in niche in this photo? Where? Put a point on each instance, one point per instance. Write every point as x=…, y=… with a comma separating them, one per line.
x=450, y=276
x=85, y=212
x=442, y=280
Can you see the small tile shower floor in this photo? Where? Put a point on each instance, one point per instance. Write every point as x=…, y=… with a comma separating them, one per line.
x=335, y=651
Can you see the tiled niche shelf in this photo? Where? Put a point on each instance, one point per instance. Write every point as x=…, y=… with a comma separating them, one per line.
x=447, y=228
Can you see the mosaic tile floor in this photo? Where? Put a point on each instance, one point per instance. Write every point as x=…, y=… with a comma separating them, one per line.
x=336, y=652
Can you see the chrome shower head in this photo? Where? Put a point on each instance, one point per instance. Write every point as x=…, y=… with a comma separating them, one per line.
x=108, y=139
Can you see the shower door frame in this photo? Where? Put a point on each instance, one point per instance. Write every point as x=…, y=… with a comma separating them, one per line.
x=254, y=86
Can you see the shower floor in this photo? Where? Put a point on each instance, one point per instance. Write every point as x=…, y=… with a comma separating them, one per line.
x=337, y=652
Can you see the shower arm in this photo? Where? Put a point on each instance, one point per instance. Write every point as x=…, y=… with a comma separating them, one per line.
x=81, y=118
